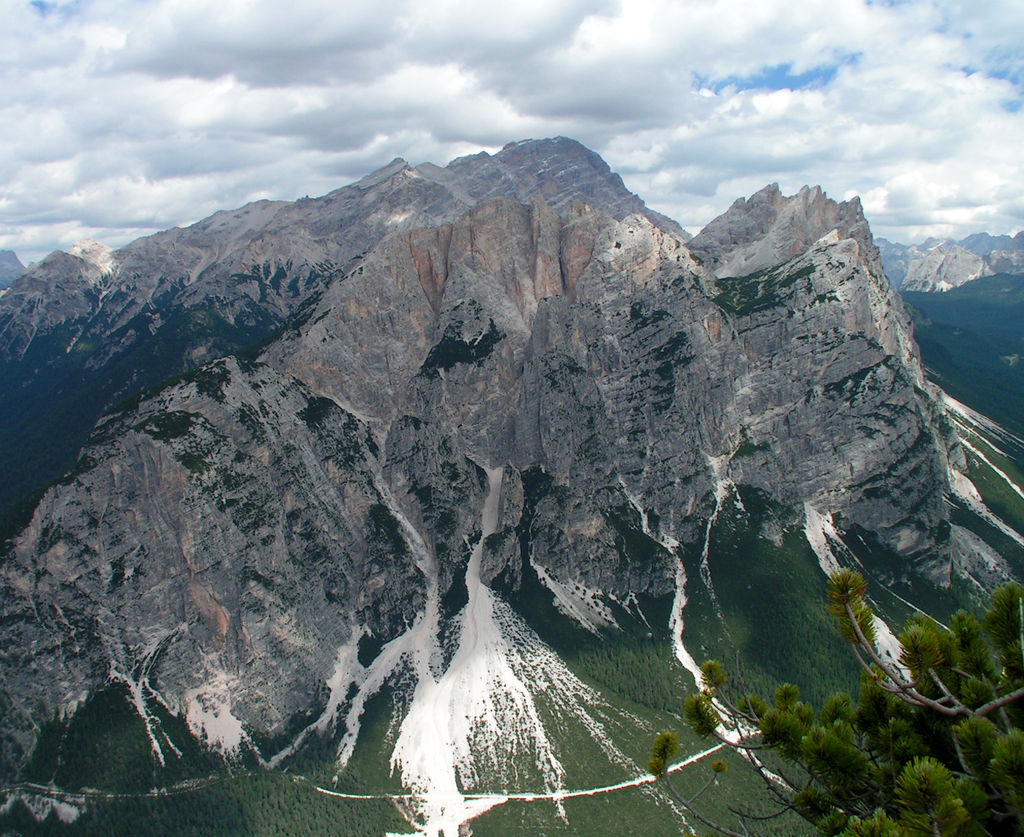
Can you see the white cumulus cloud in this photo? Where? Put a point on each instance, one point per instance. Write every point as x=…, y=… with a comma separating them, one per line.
x=122, y=118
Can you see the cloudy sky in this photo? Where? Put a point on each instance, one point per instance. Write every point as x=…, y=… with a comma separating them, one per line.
x=122, y=117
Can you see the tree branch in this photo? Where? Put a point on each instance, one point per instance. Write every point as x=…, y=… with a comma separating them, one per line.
x=678, y=798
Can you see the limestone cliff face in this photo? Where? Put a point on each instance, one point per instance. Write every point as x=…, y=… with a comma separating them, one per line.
x=231, y=534
x=254, y=540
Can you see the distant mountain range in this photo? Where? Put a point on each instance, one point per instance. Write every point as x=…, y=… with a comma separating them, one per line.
x=942, y=264
x=10, y=267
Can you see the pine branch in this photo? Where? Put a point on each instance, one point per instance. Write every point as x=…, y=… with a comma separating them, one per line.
x=679, y=798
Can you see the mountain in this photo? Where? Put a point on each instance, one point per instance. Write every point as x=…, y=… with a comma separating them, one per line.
x=81, y=330
x=505, y=454
x=10, y=267
x=768, y=229
x=939, y=265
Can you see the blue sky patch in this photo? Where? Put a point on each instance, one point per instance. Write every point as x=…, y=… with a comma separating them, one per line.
x=1013, y=75
x=45, y=8
x=775, y=77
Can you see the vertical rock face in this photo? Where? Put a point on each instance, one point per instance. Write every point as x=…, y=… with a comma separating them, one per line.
x=260, y=529
x=230, y=525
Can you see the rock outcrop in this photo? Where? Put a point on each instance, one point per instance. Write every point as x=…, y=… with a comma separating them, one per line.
x=940, y=265
x=769, y=228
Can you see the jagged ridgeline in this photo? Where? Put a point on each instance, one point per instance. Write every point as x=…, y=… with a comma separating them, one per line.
x=462, y=471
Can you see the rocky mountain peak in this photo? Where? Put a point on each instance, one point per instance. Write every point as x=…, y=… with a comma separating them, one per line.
x=383, y=173
x=560, y=170
x=941, y=264
x=769, y=228
x=942, y=267
x=10, y=267
x=230, y=279
x=98, y=256
x=983, y=243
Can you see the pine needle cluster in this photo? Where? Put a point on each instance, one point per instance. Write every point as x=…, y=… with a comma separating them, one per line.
x=933, y=744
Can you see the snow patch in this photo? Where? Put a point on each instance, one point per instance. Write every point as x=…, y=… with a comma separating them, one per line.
x=417, y=646
x=1005, y=477
x=478, y=724
x=724, y=486
x=346, y=664
x=138, y=685
x=821, y=533
x=42, y=806
x=886, y=644
x=478, y=713
x=675, y=625
x=669, y=543
x=822, y=536
x=208, y=712
x=965, y=490
x=632, y=605
x=370, y=680
x=961, y=413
